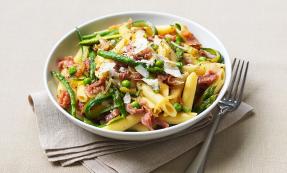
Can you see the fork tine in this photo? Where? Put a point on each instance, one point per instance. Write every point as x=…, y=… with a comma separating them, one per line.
x=243, y=82
x=234, y=93
x=233, y=63
x=234, y=76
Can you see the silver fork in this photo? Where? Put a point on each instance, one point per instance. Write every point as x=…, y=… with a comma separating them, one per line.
x=229, y=103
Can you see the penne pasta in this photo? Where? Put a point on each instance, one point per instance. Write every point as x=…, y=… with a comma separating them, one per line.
x=189, y=90
x=175, y=93
x=179, y=118
x=163, y=89
x=139, y=128
x=198, y=69
x=165, y=29
x=124, y=124
x=151, y=105
x=158, y=100
x=81, y=93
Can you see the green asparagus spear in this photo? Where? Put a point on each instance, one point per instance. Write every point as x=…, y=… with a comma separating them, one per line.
x=101, y=33
x=208, y=92
x=80, y=38
x=118, y=102
x=117, y=57
x=129, y=61
x=178, y=39
x=155, y=69
x=92, y=56
x=79, y=34
x=205, y=104
x=90, y=41
x=69, y=89
x=96, y=39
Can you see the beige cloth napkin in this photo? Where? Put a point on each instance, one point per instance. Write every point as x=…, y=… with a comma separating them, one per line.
x=67, y=143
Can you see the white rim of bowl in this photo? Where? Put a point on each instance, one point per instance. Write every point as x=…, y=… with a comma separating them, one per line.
x=194, y=120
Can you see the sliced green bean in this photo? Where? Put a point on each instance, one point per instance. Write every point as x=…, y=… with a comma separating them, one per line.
x=118, y=102
x=96, y=101
x=101, y=33
x=90, y=41
x=79, y=34
x=208, y=92
x=127, y=60
x=92, y=56
x=80, y=38
x=69, y=89
x=116, y=57
x=205, y=104
x=155, y=69
x=96, y=39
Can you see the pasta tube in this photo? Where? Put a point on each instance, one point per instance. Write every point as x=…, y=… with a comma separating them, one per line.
x=198, y=69
x=124, y=124
x=175, y=93
x=165, y=29
x=139, y=127
x=81, y=94
x=179, y=118
x=159, y=100
x=163, y=89
x=189, y=90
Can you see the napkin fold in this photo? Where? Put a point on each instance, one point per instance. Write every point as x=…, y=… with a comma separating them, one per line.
x=67, y=143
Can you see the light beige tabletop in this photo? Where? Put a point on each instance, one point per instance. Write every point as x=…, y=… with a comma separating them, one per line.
x=254, y=30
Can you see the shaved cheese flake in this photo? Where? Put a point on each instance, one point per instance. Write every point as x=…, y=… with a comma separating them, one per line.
x=162, y=58
x=156, y=40
x=147, y=62
x=142, y=71
x=140, y=42
x=172, y=69
x=127, y=98
x=107, y=67
x=152, y=82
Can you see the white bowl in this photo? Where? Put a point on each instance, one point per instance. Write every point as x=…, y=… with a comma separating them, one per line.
x=68, y=45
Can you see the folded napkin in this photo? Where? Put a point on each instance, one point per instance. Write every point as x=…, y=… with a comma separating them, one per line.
x=67, y=143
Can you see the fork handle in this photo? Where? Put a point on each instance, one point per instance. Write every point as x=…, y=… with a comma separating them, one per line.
x=198, y=163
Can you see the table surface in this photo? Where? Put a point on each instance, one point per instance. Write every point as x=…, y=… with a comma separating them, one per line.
x=253, y=30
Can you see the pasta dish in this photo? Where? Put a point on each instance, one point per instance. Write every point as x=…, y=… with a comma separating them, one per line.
x=135, y=76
